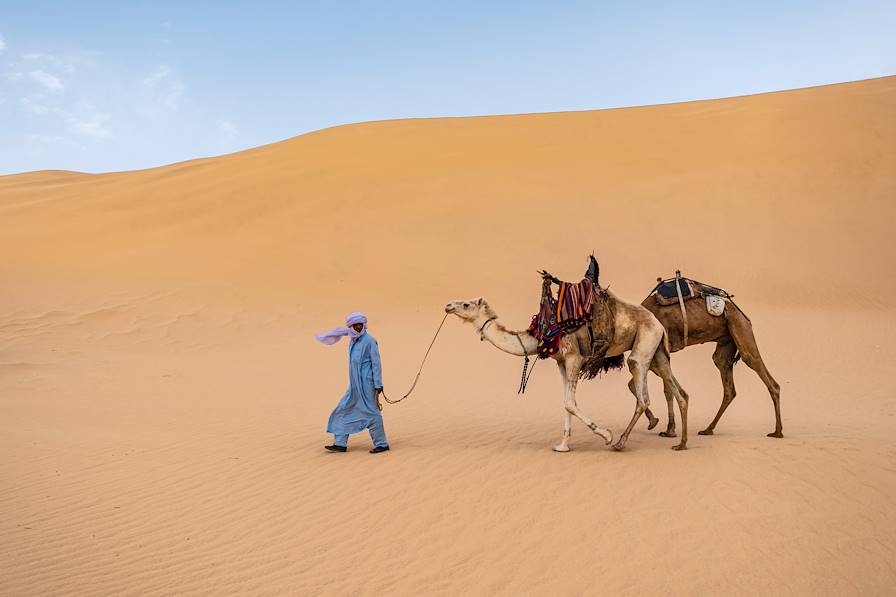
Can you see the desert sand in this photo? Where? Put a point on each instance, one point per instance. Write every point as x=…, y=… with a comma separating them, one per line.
x=163, y=402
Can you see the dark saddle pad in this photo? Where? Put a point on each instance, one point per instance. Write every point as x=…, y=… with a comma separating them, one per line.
x=666, y=295
x=666, y=289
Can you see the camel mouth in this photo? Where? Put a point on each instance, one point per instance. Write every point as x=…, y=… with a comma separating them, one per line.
x=449, y=308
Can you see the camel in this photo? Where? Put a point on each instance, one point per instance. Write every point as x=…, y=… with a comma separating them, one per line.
x=636, y=330
x=733, y=334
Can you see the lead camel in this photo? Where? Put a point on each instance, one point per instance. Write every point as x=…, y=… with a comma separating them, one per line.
x=635, y=330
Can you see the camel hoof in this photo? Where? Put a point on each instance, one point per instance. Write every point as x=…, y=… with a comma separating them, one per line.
x=561, y=448
x=652, y=424
x=680, y=447
x=775, y=434
x=705, y=432
x=609, y=440
x=668, y=434
x=619, y=446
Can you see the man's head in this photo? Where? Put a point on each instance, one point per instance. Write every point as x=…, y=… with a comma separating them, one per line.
x=357, y=323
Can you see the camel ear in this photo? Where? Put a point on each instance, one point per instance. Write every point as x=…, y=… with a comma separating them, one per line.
x=479, y=301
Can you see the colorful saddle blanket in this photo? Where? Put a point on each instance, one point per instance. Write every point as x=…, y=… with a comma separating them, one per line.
x=557, y=316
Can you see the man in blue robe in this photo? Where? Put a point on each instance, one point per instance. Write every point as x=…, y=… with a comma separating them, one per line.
x=360, y=406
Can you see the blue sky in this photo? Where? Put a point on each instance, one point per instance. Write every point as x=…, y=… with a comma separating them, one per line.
x=101, y=86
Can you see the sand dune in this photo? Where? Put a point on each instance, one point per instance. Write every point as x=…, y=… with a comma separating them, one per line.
x=163, y=402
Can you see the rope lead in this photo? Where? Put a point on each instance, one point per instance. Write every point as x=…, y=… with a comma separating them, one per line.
x=419, y=371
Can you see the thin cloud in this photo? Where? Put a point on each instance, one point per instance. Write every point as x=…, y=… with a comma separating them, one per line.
x=175, y=91
x=93, y=125
x=68, y=62
x=164, y=86
x=228, y=130
x=160, y=74
x=87, y=121
x=2, y=45
x=34, y=107
x=40, y=142
x=50, y=82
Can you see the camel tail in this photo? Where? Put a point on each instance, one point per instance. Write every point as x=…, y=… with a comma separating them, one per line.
x=741, y=311
x=744, y=320
x=666, y=346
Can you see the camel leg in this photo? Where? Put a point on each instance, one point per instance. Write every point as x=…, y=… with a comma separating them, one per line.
x=573, y=409
x=724, y=358
x=570, y=374
x=563, y=446
x=742, y=332
x=638, y=385
x=662, y=368
x=652, y=420
x=670, y=426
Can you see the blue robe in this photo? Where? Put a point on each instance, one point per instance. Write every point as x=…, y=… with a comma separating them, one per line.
x=357, y=410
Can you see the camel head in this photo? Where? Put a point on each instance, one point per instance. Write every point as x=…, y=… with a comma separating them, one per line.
x=470, y=309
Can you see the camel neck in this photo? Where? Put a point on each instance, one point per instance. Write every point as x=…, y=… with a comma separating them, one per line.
x=504, y=340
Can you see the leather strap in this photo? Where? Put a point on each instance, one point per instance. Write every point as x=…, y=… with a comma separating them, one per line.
x=485, y=325
x=684, y=313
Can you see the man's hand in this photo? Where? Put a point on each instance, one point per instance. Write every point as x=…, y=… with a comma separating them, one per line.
x=379, y=404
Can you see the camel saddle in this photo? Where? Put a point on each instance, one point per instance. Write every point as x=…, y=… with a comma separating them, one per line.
x=679, y=289
x=577, y=305
x=666, y=293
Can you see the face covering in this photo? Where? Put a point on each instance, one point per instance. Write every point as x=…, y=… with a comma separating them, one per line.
x=335, y=335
